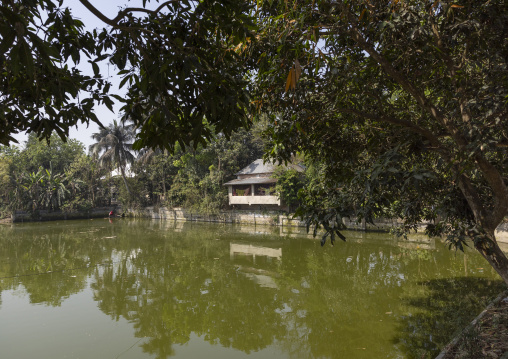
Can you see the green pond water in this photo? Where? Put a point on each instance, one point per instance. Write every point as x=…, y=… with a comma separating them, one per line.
x=161, y=289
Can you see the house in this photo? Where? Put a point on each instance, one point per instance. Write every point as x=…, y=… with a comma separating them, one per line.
x=254, y=187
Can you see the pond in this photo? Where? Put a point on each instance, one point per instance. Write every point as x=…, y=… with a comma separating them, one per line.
x=160, y=289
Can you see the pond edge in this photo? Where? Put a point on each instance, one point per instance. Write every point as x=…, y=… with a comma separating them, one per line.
x=455, y=340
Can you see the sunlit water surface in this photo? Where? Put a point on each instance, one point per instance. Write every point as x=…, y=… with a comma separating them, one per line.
x=161, y=289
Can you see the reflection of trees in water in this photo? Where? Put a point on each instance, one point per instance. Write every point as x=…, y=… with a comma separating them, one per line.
x=363, y=285
x=36, y=262
x=171, y=284
x=188, y=288
x=52, y=261
x=438, y=310
x=192, y=288
x=330, y=294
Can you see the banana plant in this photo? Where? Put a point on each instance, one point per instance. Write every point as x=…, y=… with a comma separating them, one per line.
x=30, y=194
x=54, y=189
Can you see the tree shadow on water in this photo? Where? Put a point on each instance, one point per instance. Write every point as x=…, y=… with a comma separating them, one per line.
x=438, y=310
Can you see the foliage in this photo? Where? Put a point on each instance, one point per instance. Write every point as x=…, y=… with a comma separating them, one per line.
x=133, y=196
x=36, y=173
x=6, y=184
x=178, y=60
x=289, y=183
x=64, y=177
x=194, y=178
x=113, y=148
x=41, y=46
x=54, y=189
x=85, y=182
x=56, y=153
x=77, y=204
x=403, y=104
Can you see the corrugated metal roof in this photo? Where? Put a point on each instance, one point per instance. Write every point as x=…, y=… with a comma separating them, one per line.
x=251, y=180
x=259, y=167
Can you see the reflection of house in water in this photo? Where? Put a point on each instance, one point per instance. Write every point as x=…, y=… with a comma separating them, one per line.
x=257, y=230
x=250, y=250
x=260, y=276
x=178, y=226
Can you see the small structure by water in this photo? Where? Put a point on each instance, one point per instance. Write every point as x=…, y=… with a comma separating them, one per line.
x=254, y=187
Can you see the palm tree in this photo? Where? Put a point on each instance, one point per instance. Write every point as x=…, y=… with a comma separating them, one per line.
x=113, y=148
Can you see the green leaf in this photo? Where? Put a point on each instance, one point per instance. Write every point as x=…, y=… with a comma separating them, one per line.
x=96, y=70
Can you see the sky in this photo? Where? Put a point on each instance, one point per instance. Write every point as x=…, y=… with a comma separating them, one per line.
x=109, y=8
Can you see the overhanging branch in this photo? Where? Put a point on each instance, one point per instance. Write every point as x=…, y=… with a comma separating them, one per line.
x=114, y=22
x=433, y=139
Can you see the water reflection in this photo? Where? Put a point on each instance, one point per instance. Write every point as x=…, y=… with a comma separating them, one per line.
x=253, y=289
x=433, y=313
x=255, y=257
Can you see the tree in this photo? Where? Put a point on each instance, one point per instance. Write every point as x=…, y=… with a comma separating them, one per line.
x=177, y=58
x=114, y=147
x=201, y=172
x=84, y=176
x=57, y=153
x=28, y=194
x=154, y=162
x=54, y=189
x=404, y=105
x=36, y=177
x=289, y=184
x=6, y=179
x=41, y=46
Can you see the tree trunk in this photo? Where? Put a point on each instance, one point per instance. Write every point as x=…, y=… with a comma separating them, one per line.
x=490, y=250
x=487, y=246
x=125, y=180
x=163, y=182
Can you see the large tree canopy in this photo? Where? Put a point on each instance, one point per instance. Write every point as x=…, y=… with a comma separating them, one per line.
x=405, y=105
x=177, y=58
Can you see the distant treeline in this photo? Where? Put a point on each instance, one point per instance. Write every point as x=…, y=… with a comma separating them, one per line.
x=66, y=176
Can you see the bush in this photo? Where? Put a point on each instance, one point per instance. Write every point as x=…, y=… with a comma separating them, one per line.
x=78, y=204
x=289, y=182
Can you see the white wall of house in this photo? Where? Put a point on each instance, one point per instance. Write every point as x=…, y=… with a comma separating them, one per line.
x=253, y=199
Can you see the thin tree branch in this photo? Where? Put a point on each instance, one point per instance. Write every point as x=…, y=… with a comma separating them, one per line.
x=408, y=86
x=452, y=67
x=433, y=139
x=121, y=14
